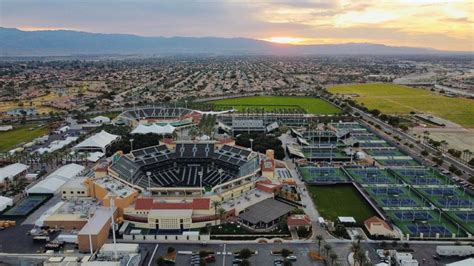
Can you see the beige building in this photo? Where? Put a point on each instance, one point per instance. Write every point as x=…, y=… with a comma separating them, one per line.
x=378, y=227
x=75, y=188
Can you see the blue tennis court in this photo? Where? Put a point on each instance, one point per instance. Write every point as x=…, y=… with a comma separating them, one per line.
x=465, y=216
x=413, y=215
x=429, y=230
x=425, y=181
x=455, y=203
x=390, y=190
x=440, y=191
x=406, y=202
x=26, y=205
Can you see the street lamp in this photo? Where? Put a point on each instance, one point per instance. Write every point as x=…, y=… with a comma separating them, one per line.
x=251, y=144
x=131, y=144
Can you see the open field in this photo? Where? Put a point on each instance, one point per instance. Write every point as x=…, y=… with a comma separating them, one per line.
x=273, y=103
x=341, y=200
x=21, y=134
x=397, y=99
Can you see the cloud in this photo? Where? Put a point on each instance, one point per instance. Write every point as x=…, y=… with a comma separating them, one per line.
x=429, y=23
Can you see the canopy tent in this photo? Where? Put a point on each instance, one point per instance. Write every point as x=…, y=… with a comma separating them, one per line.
x=5, y=202
x=53, y=182
x=154, y=129
x=97, y=142
x=12, y=170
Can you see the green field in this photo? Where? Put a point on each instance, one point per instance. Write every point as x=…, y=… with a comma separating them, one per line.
x=21, y=134
x=275, y=103
x=334, y=201
x=397, y=99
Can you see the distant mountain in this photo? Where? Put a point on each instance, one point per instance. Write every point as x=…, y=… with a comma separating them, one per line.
x=15, y=42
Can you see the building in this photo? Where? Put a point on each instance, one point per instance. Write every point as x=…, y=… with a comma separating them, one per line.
x=465, y=262
x=68, y=215
x=299, y=221
x=12, y=171
x=378, y=227
x=405, y=259
x=265, y=214
x=98, y=142
x=106, y=189
x=75, y=188
x=96, y=231
x=100, y=120
x=5, y=202
x=53, y=182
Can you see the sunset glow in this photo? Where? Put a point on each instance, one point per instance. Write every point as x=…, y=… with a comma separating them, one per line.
x=286, y=40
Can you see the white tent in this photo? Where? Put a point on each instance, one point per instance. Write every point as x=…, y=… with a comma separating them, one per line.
x=98, y=142
x=154, y=128
x=53, y=182
x=100, y=120
x=12, y=171
x=95, y=156
x=5, y=202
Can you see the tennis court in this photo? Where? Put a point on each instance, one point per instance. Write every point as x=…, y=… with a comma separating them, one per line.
x=422, y=176
x=370, y=176
x=466, y=218
x=26, y=205
x=323, y=175
x=397, y=162
x=385, y=152
x=455, y=202
x=429, y=230
x=413, y=215
x=387, y=191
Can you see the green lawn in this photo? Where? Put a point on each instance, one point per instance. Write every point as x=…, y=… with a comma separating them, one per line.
x=273, y=103
x=21, y=134
x=397, y=99
x=334, y=201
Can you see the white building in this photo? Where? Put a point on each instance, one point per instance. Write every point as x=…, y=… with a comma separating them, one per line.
x=98, y=142
x=53, y=182
x=405, y=259
x=12, y=171
x=5, y=203
x=154, y=129
x=100, y=120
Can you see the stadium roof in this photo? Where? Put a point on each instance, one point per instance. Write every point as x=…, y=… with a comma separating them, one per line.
x=265, y=211
x=12, y=170
x=100, y=140
x=53, y=182
x=154, y=128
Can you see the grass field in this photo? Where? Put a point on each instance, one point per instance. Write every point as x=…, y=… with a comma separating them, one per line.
x=21, y=134
x=334, y=201
x=272, y=103
x=397, y=99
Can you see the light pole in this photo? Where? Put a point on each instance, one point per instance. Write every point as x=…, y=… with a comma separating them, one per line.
x=148, y=174
x=186, y=101
x=251, y=144
x=131, y=145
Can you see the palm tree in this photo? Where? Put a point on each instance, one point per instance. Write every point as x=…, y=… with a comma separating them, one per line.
x=358, y=238
x=319, y=238
x=333, y=257
x=216, y=204
x=221, y=212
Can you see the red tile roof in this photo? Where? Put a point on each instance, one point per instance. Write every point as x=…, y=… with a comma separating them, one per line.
x=298, y=220
x=150, y=204
x=375, y=219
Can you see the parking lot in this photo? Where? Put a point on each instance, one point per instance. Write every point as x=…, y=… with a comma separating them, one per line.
x=263, y=256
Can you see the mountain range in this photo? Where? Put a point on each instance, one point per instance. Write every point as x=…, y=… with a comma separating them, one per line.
x=15, y=42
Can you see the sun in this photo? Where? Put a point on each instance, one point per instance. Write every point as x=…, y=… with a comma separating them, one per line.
x=286, y=40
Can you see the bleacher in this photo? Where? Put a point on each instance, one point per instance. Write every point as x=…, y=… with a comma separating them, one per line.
x=183, y=166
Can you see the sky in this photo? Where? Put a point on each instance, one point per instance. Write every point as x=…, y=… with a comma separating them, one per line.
x=439, y=24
